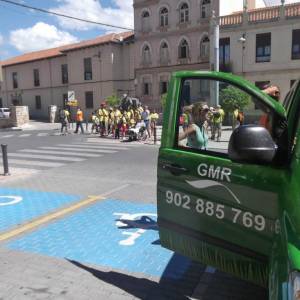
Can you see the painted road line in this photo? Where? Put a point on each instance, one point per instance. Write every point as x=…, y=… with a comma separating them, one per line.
x=43, y=134
x=110, y=143
x=78, y=150
x=7, y=136
x=35, y=163
x=46, y=157
x=25, y=135
x=48, y=218
x=93, y=146
x=60, y=152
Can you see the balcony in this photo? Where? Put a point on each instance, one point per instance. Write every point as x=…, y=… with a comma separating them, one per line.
x=261, y=15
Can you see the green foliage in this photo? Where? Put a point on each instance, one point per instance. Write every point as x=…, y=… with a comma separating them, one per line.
x=163, y=100
x=112, y=100
x=231, y=97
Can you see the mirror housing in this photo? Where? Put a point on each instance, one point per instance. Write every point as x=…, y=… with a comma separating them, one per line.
x=251, y=144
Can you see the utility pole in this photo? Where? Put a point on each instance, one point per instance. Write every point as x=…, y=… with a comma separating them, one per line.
x=216, y=37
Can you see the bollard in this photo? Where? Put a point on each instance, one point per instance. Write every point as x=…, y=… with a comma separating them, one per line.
x=155, y=139
x=5, y=160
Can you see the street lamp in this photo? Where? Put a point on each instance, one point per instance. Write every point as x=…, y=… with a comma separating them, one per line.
x=243, y=40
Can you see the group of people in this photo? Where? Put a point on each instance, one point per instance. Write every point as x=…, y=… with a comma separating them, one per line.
x=202, y=120
x=113, y=121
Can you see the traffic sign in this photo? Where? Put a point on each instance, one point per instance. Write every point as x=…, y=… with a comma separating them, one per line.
x=71, y=95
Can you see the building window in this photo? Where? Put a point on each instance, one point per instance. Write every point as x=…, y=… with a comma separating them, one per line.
x=36, y=77
x=184, y=13
x=263, y=47
x=164, y=53
x=15, y=80
x=88, y=74
x=292, y=82
x=204, y=48
x=205, y=9
x=89, y=100
x=145, y=21
x=64, y=74
x=146, y=55
x=164, y=17
x=38, y=102
x=183, y=49
x=163, y=87
x=146, y=88
x=296, y=44
x=224, y=54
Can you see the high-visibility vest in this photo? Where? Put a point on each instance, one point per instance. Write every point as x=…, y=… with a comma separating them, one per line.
x=79, y=116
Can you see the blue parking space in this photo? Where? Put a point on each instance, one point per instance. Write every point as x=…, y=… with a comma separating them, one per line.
x=118, y=234
x=18, y=206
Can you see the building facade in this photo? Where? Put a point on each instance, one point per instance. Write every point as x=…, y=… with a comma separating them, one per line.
x=93, y=69
x=169, y=36
x=263, y=45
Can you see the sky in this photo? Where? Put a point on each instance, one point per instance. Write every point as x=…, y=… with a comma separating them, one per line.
x=23, y=30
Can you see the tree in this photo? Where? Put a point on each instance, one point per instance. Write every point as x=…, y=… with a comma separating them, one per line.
x=232, y=98
x=113, y=100
x=163, y=100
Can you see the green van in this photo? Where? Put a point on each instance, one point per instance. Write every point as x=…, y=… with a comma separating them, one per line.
x=232, y=203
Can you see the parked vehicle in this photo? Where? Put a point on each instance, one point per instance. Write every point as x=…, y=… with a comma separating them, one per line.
x=234, y=205
x=4, y=112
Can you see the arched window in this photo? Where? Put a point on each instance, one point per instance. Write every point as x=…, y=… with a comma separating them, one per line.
x=164, y=53
x=145, y=21
x=205, y=8
x=146, y=55
x=164, y=17
x=184, y=13
x=183, y=49
x=204, y=47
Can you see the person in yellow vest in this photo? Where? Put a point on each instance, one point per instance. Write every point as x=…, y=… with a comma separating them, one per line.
x=153, y=120
x=235, y=118
x=117, y=121
x=217, y=120
x=79, y=120
x=64, y=119
x=103, y=118
x=111, y=122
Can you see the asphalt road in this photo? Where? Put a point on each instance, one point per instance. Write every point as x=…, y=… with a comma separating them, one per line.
x=86, y=228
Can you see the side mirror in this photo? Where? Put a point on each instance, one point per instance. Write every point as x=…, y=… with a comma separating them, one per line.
x=251, y=144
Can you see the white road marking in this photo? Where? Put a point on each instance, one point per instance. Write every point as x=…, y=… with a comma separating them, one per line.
x=46, y=157
x=94, y=146
x=59, y=152
x=7, y=136
x=25, y=135
x=78, y=150
x=35, y=163
x=43, y=134
x=111, y=143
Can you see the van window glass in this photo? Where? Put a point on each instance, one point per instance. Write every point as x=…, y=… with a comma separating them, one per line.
x=210, y=110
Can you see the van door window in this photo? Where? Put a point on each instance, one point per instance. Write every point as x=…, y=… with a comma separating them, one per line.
x=210, y=110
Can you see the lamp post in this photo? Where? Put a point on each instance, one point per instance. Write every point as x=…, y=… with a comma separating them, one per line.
x=216, y=38
x=243, y=40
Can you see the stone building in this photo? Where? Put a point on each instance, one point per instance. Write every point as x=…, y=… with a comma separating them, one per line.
x=169, y=36
x=263, y=45
x=93, y=69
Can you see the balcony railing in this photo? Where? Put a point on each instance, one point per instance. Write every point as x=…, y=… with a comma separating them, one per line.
x=267, y=14
x=231, y=20
x=264, y=14
x=292, y=10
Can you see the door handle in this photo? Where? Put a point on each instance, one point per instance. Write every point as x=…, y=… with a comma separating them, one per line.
x=175, y=169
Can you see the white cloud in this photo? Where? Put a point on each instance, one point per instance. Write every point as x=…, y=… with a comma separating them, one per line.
x=40, y=36
x=92, y=10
